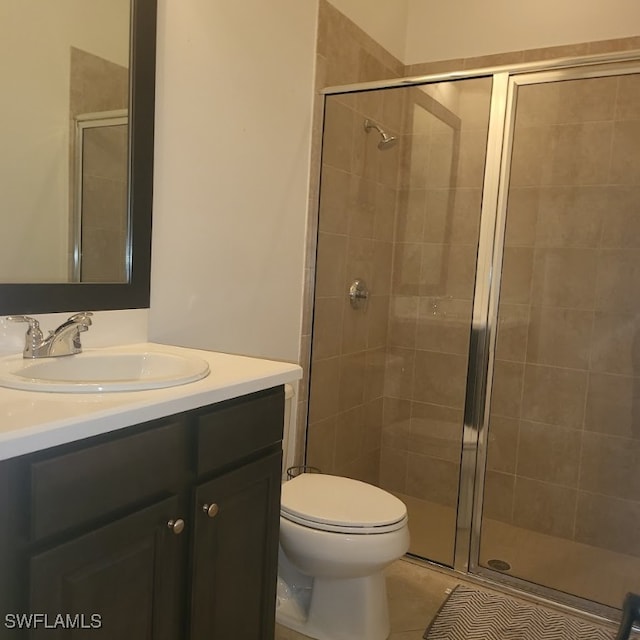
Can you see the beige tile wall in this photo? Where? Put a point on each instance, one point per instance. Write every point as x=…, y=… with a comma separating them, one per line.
x=355, y=235
x=565, y=424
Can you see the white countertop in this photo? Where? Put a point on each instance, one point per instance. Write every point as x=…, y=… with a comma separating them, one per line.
x=32, y=420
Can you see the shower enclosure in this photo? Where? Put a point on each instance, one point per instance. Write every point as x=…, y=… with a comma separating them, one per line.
x=485, y=367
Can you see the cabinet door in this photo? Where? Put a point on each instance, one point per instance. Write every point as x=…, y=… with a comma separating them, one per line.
x=129, y=573
x=235, y=562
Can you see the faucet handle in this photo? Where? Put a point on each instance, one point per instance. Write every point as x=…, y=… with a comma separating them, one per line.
x=34, y=325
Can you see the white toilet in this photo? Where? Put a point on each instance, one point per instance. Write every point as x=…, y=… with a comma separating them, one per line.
x=336, y=537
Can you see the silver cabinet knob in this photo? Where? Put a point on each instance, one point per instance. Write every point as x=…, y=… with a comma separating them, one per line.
x=210, y=509
x=177, y=526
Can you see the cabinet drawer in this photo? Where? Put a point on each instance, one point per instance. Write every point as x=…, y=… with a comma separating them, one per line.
x=71, y=489
x=236, y=429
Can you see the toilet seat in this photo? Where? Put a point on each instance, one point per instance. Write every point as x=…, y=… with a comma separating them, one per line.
x=342, y=505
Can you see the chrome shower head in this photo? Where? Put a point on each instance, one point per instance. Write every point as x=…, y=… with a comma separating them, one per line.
x=387, y=141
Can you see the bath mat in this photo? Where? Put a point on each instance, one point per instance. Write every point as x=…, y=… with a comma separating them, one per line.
x=469, y=614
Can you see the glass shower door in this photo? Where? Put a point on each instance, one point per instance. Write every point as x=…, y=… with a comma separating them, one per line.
x=434, y=273
x=561, y=505
x=400, y=201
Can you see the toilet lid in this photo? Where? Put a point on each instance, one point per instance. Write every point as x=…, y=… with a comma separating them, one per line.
x=334, y=503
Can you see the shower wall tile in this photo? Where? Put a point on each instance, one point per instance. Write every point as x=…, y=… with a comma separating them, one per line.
x=435, y=431
x=625, y=164
x=326, y=340
x=412, y=215
x=443, y=325
x=382, y=262
x=352, y=377
x=365, y=468
x=628, y=97
x=403, y=321
x=559, y=337
x=440, y=378
x=350, y=429
x=544, y=507
x=354, y=330
x=321, y=444
x=469, y=172
x=395, y=409
x=571, y=216
x=375, y=362
x=406, y=268
x=378, y=324
x=385, y=208
x=613, y=405
x=338, y=130
x=532, y=148
x=517, y=275
x=609, y=466
x=564, y=278
x=580, y=154
x=618, y=284
x=623, y=223
x=537, y=106
x=562, y=51
x=549, y=453
x=615, y=346
x=593, y=101
x=432, y=479
x=513, y=331
x=399, y=373
x=503, y=444
x=334, y=207
x=498, y=496
x=522, y=216
x=506, y=397
x=453, y=215
x=324, y=389
x=393, y=469
x=554, y=396
x=396, y=435
x=608, y=522
x=331, y=265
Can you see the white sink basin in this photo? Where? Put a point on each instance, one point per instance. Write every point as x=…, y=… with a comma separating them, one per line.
x=102, y=370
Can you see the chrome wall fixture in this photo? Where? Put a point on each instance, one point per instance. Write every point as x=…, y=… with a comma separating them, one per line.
x=386, y=141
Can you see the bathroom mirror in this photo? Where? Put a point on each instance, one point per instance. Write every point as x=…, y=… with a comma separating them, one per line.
x=96, y=61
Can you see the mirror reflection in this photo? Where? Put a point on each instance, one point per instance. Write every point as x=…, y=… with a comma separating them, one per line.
x=64, y=132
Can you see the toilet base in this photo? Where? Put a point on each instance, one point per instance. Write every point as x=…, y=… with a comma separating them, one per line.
x=344, y=609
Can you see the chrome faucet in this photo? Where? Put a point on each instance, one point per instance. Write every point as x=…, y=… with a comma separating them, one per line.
x=63, y=341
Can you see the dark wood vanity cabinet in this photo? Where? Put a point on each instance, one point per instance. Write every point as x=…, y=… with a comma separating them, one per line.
x=162, y=531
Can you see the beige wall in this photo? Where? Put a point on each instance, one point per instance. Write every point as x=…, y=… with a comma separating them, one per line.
x=467, y=28
x=234, y=109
